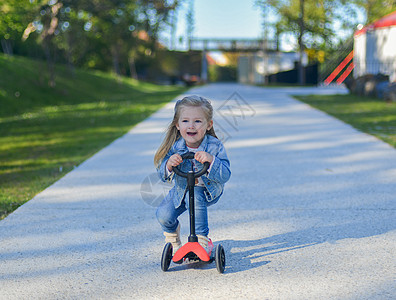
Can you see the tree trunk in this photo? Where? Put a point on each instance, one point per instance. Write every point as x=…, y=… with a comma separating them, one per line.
x=132, y=67
x=301, y=75
x=50, y=62
x=116, y=59
x=70, y=64
x=7, y=46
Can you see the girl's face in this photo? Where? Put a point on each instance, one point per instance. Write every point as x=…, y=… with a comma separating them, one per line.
x=193, y=125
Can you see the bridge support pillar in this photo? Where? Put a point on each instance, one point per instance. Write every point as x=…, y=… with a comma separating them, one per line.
x=204, y=67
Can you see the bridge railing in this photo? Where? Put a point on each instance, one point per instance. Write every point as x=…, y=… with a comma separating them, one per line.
x=242, y=45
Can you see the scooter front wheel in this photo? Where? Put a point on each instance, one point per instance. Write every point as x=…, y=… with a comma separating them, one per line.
x=166, y=257
x=220, y=258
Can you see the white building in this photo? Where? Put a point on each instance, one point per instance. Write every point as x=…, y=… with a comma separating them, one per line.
x=375, y=48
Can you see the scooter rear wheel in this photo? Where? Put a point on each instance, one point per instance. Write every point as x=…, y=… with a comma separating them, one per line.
x=220, y=258
x=166, y=257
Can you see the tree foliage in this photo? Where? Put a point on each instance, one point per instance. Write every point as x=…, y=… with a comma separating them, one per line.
x=15, y=16
x=373, y=9
x=320, y=17
x=99, y=34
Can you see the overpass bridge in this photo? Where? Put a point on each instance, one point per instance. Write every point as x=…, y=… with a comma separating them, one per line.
x=231, y=44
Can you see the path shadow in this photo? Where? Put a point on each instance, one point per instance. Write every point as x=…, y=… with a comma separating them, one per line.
x=250, y=254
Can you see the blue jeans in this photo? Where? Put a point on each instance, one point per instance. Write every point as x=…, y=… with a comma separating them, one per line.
x=167, y=214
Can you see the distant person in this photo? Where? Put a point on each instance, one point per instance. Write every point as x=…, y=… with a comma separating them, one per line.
x=191, y=130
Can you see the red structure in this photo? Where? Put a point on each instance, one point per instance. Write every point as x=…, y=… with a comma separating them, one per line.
x=339, y=68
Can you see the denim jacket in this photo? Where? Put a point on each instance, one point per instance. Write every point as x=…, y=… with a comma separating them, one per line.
x=214, y=181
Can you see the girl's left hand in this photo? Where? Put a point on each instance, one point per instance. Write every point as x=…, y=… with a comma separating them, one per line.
x=203, y=156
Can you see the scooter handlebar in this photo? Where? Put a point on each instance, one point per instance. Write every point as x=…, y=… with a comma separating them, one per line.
x=191, y=155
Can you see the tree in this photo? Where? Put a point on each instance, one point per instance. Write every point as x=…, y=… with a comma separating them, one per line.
x=128, y=25
x=113, y=22
x=155, y=16
x=96, y=34
x=15, y=16
x=317, y=20
x=190, y=22
x=373, y=9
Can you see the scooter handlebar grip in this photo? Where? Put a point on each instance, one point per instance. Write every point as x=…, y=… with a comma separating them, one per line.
x=188, y=155
x=191, y=155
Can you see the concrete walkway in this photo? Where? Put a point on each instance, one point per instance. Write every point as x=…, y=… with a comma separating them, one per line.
x=309, y=213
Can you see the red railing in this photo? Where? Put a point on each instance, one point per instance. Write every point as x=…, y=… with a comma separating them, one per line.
x=339, y=68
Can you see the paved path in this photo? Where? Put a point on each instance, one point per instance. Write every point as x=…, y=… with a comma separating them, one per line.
x=309, y=213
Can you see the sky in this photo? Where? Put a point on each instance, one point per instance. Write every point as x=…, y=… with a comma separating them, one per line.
x=225, y=19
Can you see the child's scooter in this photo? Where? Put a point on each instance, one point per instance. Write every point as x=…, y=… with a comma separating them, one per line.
x=193, y=250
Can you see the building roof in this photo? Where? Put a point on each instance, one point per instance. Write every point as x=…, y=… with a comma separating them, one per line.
x=387, y=21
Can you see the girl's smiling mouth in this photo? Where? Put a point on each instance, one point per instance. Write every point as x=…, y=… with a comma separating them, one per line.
x=191, y=133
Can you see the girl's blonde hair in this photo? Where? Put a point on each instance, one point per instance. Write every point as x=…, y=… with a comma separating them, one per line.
x=173, y=134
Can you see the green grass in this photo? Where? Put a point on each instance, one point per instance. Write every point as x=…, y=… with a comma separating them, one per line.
x=45, y=132
x=370, y=115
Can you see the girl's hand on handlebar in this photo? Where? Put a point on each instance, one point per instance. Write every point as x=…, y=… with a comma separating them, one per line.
x=203, y=156
x=173, y=161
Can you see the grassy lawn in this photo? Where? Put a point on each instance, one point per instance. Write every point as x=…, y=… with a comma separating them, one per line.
x=45, y=132
x=370, y=115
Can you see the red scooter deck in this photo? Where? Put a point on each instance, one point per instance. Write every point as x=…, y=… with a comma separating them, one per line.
x=195, y=248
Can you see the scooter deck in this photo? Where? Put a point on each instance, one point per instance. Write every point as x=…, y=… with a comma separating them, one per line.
x=195, y=248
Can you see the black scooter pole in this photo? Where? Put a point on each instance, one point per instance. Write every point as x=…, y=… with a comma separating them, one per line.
x=191, y=184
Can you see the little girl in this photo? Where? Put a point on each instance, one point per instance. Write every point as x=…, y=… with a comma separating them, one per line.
x=191, y=131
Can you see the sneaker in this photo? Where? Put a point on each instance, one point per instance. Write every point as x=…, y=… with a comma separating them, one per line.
x=203, y=241
x=174, y=238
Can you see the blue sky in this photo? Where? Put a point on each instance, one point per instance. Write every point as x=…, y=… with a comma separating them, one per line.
x=227, y=18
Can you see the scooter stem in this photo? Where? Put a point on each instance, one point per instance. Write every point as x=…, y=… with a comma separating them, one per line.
x=191, y=184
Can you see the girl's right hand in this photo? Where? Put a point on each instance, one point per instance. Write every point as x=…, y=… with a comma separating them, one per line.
x=173, y=161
